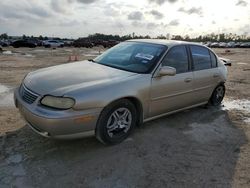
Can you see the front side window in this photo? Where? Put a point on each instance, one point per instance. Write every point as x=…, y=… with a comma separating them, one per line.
x=136, y=57
x=201, y=58
x=177, y=57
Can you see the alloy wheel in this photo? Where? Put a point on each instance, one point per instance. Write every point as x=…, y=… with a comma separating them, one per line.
x=119, y=122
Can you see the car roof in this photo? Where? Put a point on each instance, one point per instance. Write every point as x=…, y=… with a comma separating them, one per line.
x=168, y=43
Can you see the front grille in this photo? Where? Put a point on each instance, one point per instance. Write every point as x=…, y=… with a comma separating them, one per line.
x=27, y=95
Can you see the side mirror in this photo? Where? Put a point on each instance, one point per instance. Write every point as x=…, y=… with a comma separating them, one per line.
x=228, y=64
x=226, y=61
x=167, y=71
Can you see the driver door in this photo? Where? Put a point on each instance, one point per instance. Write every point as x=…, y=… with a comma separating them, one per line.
x=170, y=93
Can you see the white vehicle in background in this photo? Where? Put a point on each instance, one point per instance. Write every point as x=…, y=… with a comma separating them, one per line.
x=223, y=45
x=52, y=44
x=231, y=44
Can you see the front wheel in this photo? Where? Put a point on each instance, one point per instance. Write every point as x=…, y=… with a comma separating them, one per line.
x=218, y=95
x=116, y=122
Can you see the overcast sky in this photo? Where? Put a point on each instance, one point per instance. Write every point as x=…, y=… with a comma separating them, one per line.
x=75, y=18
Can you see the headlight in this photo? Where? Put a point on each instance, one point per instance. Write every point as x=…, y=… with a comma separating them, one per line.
x=58, y=102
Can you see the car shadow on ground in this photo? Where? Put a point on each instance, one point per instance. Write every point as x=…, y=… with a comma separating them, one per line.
x=194, y=148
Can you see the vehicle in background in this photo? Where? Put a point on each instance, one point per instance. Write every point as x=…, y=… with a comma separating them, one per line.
x=110, y=43
x=82, y=42
x=4, y=43
x=237, y=44
x=223, y=45
x=207, y=44
x=98, y=42
x=245, y=45
x=53, y=44
x=68, y=42
x=24, y=43
x=215, y=45
x=231, y=44
x=37, y=41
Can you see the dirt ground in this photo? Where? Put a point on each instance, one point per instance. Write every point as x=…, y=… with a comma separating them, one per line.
x=201, y=147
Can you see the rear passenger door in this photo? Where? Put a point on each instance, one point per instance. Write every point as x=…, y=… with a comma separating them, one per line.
x=206, y=75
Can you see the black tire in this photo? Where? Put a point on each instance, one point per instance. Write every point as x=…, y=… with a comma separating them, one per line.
x=218, y=95
x=119, y=134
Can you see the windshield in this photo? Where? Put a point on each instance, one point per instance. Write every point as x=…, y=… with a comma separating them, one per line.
x=136, y=57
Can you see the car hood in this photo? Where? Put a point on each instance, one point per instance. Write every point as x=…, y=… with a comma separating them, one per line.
x=58, y=80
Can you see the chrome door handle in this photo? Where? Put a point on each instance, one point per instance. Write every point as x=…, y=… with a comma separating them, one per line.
x=188, y=80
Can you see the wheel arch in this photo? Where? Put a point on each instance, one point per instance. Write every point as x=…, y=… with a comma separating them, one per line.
x=220, y=83
x=139, y=109
x=138, y=106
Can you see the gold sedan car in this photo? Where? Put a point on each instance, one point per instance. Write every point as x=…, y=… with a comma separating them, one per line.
x=131, y=83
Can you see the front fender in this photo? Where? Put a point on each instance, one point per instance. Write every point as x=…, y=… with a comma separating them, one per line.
x=102, y=95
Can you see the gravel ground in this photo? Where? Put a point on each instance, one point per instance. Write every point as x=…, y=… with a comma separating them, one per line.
x=201, y=147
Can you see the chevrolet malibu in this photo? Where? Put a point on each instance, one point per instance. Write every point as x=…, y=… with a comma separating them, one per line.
x=131, y=83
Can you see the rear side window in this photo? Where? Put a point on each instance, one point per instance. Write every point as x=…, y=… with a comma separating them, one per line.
x=201, y=57
x=177, y=58
x=213, y=60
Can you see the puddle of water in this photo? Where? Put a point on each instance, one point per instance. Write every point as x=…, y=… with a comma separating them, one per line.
x=242, y=63
x=28, y=55
x=216, y=130
x=6, y=96
x=3, y=89
x=212, y=131
x=7, y=100
x=7, y=52
x=243, y=105
x=39, y=50
x=247, y=120
x=68, y=50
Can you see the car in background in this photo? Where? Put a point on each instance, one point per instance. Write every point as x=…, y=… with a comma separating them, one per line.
x=223, y=45
x=83, y=42
x=231, y=44
x=131, y=83
x=4, y=43
x=53, y=44
x=245, y=45
x=24, y=43
x=105, y=43
x=207, y=44
x=237, y=44
x=37, y=41
x=215, y=45
x=68, y=42
x=110, y=43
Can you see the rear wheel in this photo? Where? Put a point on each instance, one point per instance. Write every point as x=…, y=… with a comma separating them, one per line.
x=218, y=95
x=116, y=122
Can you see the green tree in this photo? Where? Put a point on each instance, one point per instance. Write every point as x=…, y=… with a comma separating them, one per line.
x=4, y=36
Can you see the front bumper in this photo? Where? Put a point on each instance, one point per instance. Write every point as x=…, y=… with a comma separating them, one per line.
x=57, y=123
